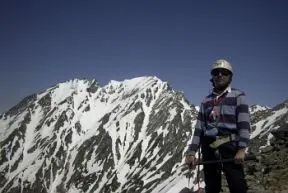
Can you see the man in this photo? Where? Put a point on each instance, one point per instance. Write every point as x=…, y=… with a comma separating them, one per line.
x=222, y=131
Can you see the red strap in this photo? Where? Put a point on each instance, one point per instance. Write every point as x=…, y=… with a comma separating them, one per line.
x=218, y=100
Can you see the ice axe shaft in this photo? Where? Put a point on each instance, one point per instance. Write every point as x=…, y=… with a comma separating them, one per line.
x=247, y=158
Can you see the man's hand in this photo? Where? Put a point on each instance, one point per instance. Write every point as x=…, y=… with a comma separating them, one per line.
x=240, y=156
x=191, y=161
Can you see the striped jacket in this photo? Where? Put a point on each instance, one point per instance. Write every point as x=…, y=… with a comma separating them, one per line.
x=222, y=115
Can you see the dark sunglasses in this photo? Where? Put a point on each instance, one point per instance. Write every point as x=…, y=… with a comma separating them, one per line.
x=224, y=72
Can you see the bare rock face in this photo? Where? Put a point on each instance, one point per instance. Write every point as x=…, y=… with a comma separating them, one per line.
x=271, y=172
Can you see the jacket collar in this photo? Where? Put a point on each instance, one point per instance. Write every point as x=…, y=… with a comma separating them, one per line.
x=227, y=90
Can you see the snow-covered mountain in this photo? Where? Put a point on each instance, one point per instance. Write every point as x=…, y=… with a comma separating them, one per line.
x=265, y=120
x=77, y=137
x=258, y=108
x=124, y=137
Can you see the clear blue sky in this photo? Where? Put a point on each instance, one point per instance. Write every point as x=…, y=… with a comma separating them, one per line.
x=43, y=43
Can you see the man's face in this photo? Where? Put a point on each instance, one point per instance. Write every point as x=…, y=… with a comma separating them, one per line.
x=221, y=78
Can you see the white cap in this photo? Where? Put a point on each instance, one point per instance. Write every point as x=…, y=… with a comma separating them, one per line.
x=222, y=64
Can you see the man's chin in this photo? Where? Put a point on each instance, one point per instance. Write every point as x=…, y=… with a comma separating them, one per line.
x=222, y=86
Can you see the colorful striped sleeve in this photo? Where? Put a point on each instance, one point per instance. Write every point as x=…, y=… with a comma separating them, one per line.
x=243, y=121
x=195, y=142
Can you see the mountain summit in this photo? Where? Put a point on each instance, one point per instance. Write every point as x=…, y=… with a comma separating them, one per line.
x=126, y=137
x=79, y=137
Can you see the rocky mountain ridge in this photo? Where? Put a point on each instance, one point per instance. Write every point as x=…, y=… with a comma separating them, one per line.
x=270, y=143
x=127, y=136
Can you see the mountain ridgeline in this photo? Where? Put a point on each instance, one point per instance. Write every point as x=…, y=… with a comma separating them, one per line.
x=125, y=137
x=79, y=137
